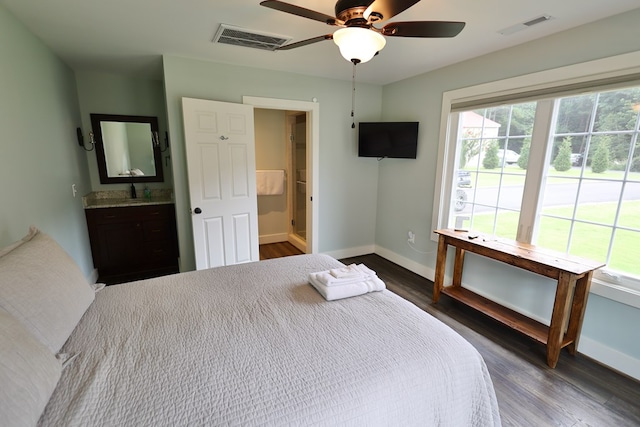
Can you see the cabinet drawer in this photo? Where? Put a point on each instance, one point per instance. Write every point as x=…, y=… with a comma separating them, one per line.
x=123, y=214
x=160, y=251
x=157, y=230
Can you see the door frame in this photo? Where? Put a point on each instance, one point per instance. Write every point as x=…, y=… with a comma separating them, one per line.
x=313, y=158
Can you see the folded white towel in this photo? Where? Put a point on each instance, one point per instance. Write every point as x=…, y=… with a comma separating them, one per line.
x=366, y=270
x=358, y=273
x=325, y=278
x=348, y=271
x=331, y=293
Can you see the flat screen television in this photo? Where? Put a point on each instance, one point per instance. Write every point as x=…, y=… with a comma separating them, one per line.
x=398, y=140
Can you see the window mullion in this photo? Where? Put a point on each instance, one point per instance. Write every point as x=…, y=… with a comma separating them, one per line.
x=536, y=170
x=445, y=214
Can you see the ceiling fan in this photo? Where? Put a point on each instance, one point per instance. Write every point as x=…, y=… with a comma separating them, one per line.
x=359, y=40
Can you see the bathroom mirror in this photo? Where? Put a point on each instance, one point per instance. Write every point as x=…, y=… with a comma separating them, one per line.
x=127, y=148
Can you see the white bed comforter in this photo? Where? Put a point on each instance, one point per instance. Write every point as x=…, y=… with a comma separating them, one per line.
x=255, y=344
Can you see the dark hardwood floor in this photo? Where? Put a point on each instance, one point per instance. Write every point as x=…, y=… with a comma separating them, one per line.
x=278, y=250
x=579, y=392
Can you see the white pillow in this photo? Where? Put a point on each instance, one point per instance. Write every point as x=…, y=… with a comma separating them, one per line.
x=29, y=373
x=42, y=287
x=32, y=232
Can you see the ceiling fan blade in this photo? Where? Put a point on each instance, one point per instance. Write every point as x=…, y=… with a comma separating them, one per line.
x=299, y=11
x=423, y=29
x=387, y=9
x=306, y=42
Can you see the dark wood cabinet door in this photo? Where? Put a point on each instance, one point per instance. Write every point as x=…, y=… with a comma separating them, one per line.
x=121, y=244
x=129, y=243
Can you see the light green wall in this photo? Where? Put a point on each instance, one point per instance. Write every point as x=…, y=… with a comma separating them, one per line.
x=105, y=93
x=348, y=184
x=411, y=184
x=40, y=157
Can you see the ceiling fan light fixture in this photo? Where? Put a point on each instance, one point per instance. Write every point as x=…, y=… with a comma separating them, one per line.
x=358, y=43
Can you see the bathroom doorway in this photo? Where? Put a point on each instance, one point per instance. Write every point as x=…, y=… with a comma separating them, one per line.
x=281, y=178
x=278, y=218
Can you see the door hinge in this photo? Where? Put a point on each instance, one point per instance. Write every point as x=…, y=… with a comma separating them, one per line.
x=293, y=222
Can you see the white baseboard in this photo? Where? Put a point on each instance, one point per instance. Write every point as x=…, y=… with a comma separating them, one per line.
x=298, y=242
x=411, y=265
x=610, y=357
x=351, y=252
x=273, y=238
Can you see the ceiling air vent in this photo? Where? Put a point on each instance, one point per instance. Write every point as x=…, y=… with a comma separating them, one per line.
x=525, y=25
x=237, y=36
x=537, y=20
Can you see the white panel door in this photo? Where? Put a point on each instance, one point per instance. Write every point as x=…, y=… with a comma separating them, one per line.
x=220, y=146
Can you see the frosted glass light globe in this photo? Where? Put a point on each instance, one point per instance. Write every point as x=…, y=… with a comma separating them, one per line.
x=358, y=43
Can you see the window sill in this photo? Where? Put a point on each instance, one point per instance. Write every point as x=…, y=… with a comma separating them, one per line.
x=615, y=292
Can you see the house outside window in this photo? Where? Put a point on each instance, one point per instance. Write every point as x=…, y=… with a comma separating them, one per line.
x=561, y=173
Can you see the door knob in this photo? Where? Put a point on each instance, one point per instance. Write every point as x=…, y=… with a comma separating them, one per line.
x=197, y=211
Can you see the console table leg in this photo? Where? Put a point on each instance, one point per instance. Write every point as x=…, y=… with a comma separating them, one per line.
x=458, y=262
x=578, y=308
x=441, y=261
x=558, y=317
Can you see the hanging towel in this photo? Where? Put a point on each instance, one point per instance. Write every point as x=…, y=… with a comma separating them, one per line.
x=270, y=182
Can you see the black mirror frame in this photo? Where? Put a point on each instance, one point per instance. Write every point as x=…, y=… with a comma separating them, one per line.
x=102, y=164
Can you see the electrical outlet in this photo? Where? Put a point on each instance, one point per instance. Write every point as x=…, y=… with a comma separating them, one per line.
x=411, y=237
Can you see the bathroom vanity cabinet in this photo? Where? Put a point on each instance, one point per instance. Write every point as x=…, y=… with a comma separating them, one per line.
x=133, y=242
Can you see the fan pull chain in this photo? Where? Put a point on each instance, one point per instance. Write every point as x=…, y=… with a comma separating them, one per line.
x=353, y=93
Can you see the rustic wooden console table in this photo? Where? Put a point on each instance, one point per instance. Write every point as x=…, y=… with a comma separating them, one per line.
x=573, y=275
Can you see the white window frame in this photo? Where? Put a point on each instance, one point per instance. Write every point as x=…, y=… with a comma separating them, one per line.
x=605, y=285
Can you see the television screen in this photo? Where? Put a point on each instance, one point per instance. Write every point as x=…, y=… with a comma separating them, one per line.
x=397, y=140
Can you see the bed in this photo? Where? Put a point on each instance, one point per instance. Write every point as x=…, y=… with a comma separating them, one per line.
x=249, y=344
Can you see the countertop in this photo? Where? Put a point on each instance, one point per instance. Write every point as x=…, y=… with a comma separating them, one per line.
x=122, y=198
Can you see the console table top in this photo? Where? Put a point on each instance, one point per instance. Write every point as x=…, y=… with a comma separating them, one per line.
x=520, y=254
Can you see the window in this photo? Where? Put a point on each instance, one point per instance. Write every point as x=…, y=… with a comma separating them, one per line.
x=562, y=173
x=489, y=143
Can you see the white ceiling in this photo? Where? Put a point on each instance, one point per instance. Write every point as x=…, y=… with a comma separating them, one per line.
x=129, y=36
